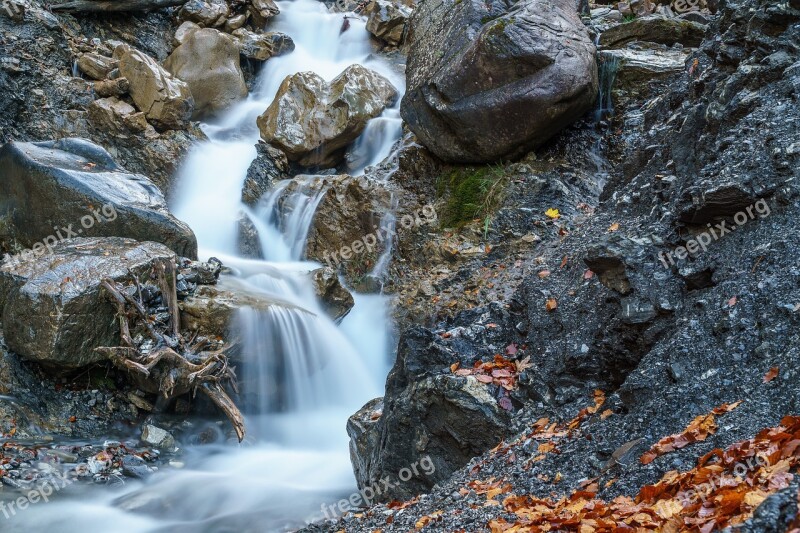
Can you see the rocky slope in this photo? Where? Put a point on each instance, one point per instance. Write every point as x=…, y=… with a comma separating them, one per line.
x=673, y=291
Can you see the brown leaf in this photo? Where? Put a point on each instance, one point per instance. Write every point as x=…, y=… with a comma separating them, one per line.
x=772, y=374
x=551, y=304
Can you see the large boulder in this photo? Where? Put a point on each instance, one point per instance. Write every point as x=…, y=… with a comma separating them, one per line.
x=53, y=309
x=166, y=101
x=51, y=191
x=492, y=80
x=314, y=121
x=427, y=412
x=208, y=61
x=387, y=20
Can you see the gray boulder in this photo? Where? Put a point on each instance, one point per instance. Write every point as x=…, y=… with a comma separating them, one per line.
x=314, y=121
x=53, y=309
x=51, y=191
x=204, y=13
x=208, y=61
x=492, y=80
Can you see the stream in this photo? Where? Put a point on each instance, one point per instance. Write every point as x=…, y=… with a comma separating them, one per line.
x=303, y=375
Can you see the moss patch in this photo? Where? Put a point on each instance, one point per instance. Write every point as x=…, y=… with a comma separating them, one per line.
x=471, y=193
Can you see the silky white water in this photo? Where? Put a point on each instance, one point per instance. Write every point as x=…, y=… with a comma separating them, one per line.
x=302, y=375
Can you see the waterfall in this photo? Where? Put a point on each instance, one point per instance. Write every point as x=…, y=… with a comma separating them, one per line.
x=608, y=68
x=301, y=375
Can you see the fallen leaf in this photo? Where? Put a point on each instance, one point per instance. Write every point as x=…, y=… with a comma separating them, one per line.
x=613, y=227
x=771, y=374
x=543, y=274
x=551, y=304
x=552, y=213
x=732, y=301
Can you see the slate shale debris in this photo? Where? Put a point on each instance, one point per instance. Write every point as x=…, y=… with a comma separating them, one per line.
x=160, y=359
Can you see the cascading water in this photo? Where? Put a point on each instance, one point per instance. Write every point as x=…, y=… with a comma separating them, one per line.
x=301, y=376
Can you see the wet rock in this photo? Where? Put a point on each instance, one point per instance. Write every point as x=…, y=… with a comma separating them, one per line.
x=262, y=46
x=248, y=242
x=208, y=61
x=336, y=300
x=364, y=433
x=166, y=101
x=54, y=310
x=427, y=411
x=723, y=200
x=96, y=66
x=261, y=11
x=387, y=20
x=654, y=29
x=269, y=167
x=212, y=310
x=314, y=121
x=206, y=13
x=490, y=80
x=348, y=219
x=116, y=116
x=78, y=189
x=637, y=66
x=157, y=437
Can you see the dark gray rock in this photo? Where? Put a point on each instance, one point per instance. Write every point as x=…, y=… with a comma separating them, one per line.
x=50, y=189
x=491, y=80
x=248, y=242
x=54, y=311
x=269, y=167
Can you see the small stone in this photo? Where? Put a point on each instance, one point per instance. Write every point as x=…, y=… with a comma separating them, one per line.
x=157, y=437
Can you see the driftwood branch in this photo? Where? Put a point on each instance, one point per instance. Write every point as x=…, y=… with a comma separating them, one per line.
x=113, y=6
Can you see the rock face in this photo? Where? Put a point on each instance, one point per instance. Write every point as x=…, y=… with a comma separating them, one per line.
x=166, y=102
x=654, y=29
x=487, y=81
x=53, y=309
x=96, y=66
x=261, y=11
x=387, y=20
x=208, y=61
x=55, y=190
x=314, y=122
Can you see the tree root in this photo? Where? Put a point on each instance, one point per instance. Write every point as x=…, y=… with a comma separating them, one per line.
x=169, y=365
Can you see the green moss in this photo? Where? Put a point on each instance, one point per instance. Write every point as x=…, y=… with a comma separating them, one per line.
x=471, y=193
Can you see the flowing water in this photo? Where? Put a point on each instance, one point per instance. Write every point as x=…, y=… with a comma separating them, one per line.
x=302, y=375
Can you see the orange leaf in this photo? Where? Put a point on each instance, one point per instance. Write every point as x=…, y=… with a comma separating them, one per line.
x=772, y=374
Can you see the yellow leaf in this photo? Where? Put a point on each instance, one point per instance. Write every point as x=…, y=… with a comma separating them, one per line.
x=552, y=213
x=613, y=227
